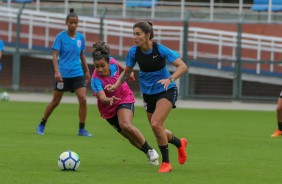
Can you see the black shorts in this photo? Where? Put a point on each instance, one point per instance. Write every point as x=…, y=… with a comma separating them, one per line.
x=114, y=120
x=280, y=96
x=150, y=101
x=70, y=84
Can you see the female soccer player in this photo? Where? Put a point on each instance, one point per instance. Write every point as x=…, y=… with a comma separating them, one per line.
x=118, y=107
x=69, y=62
x=278, y=132
x=157, y=85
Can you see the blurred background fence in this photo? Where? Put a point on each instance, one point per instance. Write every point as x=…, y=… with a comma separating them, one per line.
x=230, y=55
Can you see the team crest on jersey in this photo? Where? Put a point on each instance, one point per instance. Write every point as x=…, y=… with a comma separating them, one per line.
x=79, y=43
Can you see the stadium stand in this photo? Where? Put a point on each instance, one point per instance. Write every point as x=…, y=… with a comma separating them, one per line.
x=212, y=52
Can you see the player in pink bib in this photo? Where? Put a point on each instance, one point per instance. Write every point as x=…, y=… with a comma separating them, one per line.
x=118, y=107
x=123, y=95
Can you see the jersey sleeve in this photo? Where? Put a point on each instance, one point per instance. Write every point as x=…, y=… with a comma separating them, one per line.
x=130, y=59
x=96, y=85
x=83, y=45
x=57, y=43
x=113, y=60
x=114, y=66
x=167, y=53
x=1, y=45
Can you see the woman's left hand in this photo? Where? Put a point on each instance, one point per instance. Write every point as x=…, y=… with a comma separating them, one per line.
x=165, y=82
x=87, y=77
x=131, y=77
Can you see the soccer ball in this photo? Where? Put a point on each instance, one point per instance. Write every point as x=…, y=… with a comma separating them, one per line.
x=68, y=160
x=5, y=96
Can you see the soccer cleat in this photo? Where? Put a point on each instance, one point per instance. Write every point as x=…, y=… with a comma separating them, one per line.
x=165, y=167
x=40, y=129
x=154, y=162
x=182, y=156
x=153, y=157
x=277, y=133
x=83, y=132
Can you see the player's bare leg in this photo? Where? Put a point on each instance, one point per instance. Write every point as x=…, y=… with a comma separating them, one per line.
x=57, y=96
x=134, y=136
x=82, y=112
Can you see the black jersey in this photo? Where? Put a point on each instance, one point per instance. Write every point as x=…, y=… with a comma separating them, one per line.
x=151, y=62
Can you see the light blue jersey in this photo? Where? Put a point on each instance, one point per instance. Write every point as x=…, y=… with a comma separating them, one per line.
x=69, y=54
x=148, y=80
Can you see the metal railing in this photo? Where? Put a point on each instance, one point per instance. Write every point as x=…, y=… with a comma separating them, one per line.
x=256, y=44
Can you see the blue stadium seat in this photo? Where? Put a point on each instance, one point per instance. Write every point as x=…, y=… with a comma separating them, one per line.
x=276, y=5
x=262, y=5
x=132, y=3
x=141, y=3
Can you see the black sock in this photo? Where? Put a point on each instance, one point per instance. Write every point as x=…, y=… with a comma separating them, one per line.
x=81, y=125
x=43, y=122
x=145, y=147
x=280, y=126
x=175, y=141
x=164, y=151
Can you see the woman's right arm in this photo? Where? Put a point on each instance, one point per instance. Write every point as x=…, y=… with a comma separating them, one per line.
x=58, y=76
x=124, y=76
x=131, y=78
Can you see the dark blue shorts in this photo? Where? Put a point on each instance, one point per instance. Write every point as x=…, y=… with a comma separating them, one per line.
x=150, y=101
x=70, y=84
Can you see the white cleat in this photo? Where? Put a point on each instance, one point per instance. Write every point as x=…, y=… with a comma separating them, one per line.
x=153, y=157
x=154, y=162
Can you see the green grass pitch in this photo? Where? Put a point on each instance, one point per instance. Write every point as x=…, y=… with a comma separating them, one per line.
x=225, y=147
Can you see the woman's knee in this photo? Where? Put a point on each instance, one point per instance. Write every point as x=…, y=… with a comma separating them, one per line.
x=82, y=100
x=156, y=125
x=126, y=127
x=279, y=109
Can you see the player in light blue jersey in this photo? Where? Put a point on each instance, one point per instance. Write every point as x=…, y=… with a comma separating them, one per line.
x=71, y=72
x=1, y=53
x=157, y=85
x=150, y=74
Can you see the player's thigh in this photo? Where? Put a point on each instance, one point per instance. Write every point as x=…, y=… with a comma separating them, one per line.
x=162, y=110
x=125, y=117
x=279, y=104
x=81, y=94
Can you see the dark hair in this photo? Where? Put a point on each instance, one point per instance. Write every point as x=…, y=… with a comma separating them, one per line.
x=146, y=27
x=100, y=50
x=71, y=14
